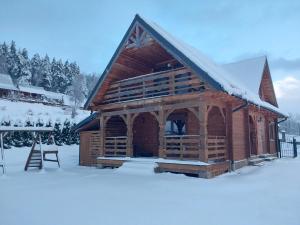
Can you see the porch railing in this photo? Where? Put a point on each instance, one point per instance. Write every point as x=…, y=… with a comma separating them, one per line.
x=182, y=147
x=115, y=146
x=172, y=82
x=216, y=147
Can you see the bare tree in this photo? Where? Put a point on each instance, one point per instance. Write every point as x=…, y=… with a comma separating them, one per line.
x=77, y=92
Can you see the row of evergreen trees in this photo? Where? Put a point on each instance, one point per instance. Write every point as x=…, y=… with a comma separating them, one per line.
x=54, y=75
x=63, y=134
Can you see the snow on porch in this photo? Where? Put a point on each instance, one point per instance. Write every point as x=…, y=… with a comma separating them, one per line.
x=156, y=160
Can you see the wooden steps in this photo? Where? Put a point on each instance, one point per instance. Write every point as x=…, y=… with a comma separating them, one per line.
x=258, y=160
x=34, y=160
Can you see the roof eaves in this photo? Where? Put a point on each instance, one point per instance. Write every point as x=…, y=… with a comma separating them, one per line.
x=85, y=121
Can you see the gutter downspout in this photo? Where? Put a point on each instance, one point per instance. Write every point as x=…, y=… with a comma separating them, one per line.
x=276, y=133
x=246, y=103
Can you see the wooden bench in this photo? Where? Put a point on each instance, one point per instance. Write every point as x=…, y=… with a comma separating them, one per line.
x=51, y=152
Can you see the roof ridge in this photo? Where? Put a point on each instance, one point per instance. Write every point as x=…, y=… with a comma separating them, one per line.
x=245, y=60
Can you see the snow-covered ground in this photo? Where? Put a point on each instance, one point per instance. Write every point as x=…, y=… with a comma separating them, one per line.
x=74, y=195
x=22, y=111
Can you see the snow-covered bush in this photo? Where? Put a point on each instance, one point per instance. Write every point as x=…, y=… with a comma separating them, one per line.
x=63, y=134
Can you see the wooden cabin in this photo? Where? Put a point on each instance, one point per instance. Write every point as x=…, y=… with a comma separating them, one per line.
x=160, y=98
x=7, y=87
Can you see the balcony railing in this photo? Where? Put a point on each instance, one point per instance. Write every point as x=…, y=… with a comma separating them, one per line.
x=216, y=146
x=115, y=146
x=182, y=147
x=166, y=83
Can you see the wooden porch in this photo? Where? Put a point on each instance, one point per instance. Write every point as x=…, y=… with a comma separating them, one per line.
x=192, y=168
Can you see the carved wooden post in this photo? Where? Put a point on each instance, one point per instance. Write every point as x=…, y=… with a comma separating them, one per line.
x=267, y=134
x=161, y=137
x=203, y=132
x=129, y=150
x=102, y=136
x=229, y=137
x=247, y=132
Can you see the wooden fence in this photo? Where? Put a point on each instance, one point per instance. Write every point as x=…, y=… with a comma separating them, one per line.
x=216, y=147
x=179, y=81
x=115, y=146
x=90, y=146
x=182, y=147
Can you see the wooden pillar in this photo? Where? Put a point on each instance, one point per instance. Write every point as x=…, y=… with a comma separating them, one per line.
x=247, y=132
x=129, y=150
x=267, y=134
x=102, y=136
x=161, y=135
x=229, y=136
x=203, y=155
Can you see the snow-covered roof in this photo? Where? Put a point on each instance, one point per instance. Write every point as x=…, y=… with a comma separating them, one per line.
x=222, y=76
x=249, y=72
x=42, y=91
x=33, y=129
x=214, y=74
x=6, y=82
x=32, y=89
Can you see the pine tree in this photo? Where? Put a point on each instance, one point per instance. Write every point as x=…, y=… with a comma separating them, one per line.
x=65, y=133
x=45, y=74
x=57, y=133
x=27, y=136
x=45, y=135
x=36, y=66
x=91, y=81
x=59, y=82
x=3, y=58
x=13, y=62
x=74, y=135
x=7, y=140
x=17, y=136
x=24, y=76
x=68, y=73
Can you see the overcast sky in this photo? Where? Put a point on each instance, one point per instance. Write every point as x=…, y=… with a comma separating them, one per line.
x=88, y=32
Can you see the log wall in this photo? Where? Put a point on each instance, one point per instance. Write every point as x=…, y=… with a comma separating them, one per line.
x=90, y=146
x=239, y=144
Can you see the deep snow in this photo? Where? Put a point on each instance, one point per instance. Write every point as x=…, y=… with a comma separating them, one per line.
x=19, y=112
x=75, y=195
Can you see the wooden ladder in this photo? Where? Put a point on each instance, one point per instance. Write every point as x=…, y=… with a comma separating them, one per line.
x=34, y=159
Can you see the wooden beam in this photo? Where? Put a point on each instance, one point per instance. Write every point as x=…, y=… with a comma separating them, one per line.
x=203, y=154
x=129, y=123
x=102, y=135
x=247, y=132
x=229, y=132
x=152, y=108
x=128, y=70
x=161, y=135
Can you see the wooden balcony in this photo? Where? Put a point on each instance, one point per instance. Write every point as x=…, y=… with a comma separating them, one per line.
x=166, y=83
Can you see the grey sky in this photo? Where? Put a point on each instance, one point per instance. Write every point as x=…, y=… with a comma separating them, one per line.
x=89, y=31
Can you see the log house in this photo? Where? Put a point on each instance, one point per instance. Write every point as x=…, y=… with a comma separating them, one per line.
x=160, y=98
